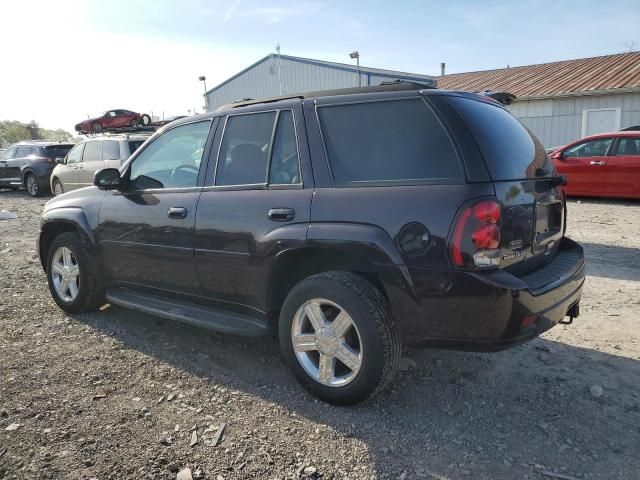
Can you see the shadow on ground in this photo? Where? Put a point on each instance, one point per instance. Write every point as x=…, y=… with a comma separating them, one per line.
x=497, y=415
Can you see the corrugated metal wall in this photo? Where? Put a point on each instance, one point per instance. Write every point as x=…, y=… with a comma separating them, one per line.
x=558, y=121
x=281, y=76
x=262, y=81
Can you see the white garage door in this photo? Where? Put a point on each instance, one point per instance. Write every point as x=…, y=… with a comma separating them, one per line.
x=600, y=120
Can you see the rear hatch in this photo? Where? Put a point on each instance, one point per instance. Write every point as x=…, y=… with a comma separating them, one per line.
x=532, y=219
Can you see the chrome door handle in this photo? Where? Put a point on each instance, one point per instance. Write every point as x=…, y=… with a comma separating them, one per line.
x=597, y=162
x=177, y=212
x=281, y=214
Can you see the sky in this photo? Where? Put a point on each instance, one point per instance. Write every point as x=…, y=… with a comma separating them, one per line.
x=62, y=60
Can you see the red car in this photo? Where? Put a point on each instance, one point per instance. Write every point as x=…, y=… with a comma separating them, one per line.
x=603, y=165
x=113, y=119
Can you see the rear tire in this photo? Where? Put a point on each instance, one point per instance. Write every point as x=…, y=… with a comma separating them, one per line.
x=145, y=119
x=32, y=186
x=372, y=342
x=87, y=295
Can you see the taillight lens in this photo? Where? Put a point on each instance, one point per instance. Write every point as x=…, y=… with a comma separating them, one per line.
x=476, y=236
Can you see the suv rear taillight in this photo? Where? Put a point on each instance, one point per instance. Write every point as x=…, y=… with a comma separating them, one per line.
x=476, y=236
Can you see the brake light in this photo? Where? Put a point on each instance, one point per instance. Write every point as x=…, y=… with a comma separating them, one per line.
x=476, y=236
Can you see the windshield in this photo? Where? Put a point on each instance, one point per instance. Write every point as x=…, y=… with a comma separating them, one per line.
x=510, y=150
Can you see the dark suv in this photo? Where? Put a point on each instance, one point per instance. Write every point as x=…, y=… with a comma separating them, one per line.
x=29, y=164
x=349, y=221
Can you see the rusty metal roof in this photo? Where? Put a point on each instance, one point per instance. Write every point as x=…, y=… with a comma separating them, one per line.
x=567, y=77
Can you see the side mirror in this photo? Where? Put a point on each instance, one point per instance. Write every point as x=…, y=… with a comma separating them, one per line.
x=59, y=160
x=557, y=155
x=107, y=179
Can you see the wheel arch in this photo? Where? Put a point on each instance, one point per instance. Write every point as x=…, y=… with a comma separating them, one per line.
x=365, y=250
x=58, y=221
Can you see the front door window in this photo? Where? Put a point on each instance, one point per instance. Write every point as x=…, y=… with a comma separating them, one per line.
x=172, y=160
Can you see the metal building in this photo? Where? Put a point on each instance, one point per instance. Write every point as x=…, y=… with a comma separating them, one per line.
x=276, y=75
x=566, y=100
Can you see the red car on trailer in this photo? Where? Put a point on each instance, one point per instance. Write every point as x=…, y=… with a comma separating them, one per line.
x=602, y=165
x=118, y=118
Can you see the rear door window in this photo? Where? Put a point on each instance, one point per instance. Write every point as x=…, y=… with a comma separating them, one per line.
x=244, y=151
x=628, y=146
x=591, y=148
x=285, y=163
x=510, y=151
x=92, y=152
x=388, y=142
x=110, y=150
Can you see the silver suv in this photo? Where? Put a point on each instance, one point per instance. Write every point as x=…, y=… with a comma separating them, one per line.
x=107, y=151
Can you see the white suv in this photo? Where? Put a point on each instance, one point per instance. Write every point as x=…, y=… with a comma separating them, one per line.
x=107, y=151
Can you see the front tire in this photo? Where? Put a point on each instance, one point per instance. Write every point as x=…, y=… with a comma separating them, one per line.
x=134, y=123
x=57, y=188
x=338, y=337
x=96, y=127
x=70, y=277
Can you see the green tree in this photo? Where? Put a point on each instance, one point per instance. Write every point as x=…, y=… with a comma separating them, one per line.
x=34, y=130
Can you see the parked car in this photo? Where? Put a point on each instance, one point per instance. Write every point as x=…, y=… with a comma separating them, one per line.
x=166, y=121
x=349, y=221
x=76, y=169
x=29, y=164
x=113, y=119
x=603, y=165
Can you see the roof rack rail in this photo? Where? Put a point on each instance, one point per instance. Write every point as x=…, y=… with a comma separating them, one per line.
x=123, y=130
x=390, y=86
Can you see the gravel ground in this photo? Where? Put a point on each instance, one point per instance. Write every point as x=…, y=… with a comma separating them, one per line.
x=117, y=395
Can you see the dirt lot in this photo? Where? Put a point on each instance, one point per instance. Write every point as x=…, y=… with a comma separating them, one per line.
x=116, y=394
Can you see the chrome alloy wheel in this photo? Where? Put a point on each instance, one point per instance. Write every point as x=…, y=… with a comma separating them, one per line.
x=65, y=274
x=32, y=185
x=326, y=342
x=57, y=188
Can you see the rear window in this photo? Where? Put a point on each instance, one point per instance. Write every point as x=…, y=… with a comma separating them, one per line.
x=57, y=150
x=388, y=142
x=509, y=149
x=134, y=145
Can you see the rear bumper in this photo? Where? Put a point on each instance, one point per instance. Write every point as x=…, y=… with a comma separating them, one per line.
x=486, y=311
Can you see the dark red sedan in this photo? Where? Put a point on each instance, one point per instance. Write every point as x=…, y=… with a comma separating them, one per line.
x=113, y=119
x=603, y=165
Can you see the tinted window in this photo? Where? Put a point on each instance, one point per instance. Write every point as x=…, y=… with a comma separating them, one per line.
x=398, y=141
x=245, y=149
x=628, y=146
x=592, y=148
x=134, y=145
x=285, y=166
x=509, y=149
x=25, y=152
x=172, y=160
x=110, y=150
x=75, y=155
x=8, y=154
x=92, y=152
x=57, y=151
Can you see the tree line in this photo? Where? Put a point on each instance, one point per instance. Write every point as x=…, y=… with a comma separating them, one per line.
x=12, y=131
